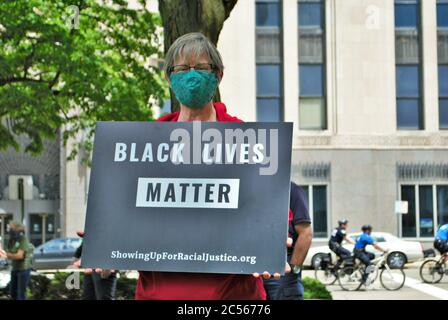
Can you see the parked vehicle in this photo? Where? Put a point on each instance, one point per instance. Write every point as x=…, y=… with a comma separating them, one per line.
x=5, y=274
x=56, y=253
x=401, y=251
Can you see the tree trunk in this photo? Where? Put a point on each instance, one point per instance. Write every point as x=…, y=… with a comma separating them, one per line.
x=183, y=16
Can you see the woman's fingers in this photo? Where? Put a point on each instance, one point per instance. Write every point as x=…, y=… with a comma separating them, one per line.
x=289, y=242
x=80, y=234
x=276, y=275
x=77, y=263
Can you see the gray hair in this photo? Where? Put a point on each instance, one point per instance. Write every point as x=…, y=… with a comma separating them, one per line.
x=17, y=225
x=189, y=45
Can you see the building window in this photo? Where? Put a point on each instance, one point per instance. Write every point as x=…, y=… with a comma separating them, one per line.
x=442, y=35
x=408, y=65
x=312, y=102
x=427, y=227
x=442, y=13
x=318, y=208
x=443, y=96
x=269, y=61
x=442, y=205
x=427, y=209
x=408, y=220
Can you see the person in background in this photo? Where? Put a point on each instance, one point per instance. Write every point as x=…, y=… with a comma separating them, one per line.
x=338, y=235
x=19, y=251
x=289, y=286
x=441, y=241
x=360, y=249
x=96, y=285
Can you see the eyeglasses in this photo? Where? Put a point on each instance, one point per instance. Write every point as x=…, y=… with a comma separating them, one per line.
x=185, y=67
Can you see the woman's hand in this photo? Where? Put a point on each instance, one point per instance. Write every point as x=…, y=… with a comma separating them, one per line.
x=103, y=272
x=77, y=263
x=276, y=276
x=3, y=254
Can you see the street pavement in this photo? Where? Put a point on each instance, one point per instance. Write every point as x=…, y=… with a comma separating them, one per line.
x=414, y=289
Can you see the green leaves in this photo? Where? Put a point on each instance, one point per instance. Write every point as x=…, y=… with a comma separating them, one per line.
x=55, y=73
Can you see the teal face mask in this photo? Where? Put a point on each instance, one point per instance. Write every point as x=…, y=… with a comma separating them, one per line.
x=194, y=88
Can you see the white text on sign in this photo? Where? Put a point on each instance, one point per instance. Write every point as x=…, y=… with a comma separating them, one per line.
x=187, y=193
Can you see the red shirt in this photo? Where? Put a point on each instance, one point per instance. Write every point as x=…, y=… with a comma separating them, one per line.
x=199, y=286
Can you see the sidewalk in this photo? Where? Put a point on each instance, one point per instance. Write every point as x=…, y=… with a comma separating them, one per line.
x=376, y=292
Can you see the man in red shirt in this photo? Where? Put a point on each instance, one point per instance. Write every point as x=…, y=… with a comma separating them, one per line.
x=194, y=68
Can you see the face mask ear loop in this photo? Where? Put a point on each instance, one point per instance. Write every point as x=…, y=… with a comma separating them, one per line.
x=218, y=77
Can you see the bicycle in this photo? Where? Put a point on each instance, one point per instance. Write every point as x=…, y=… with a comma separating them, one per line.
x=432, y=270
x=327, y=272
x=350, y=277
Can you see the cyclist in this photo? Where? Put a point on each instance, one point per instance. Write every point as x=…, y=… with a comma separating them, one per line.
x=338, y=235
x=441, y=241
x=360, y=249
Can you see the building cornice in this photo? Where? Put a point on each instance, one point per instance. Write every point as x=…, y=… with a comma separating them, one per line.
x=399, y=141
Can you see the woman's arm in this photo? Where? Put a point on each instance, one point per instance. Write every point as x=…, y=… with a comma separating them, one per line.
x=19, y=255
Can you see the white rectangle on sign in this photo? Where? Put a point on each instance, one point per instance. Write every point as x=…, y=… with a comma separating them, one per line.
x=401, y=207
x=187, y=193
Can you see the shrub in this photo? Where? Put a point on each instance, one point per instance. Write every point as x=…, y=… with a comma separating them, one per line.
x=38, y=287
x=315, y=289
x=42, y=287
x=126, y=288
x=57, y=289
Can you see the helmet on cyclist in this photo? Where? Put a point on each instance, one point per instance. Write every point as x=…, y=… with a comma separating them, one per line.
x=366, y=227
x=343, y=221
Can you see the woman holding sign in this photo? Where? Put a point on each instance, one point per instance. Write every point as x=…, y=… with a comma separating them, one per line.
x=194, y=68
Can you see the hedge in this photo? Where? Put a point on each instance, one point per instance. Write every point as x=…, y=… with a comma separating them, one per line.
x=43, y=288
x=315, y=289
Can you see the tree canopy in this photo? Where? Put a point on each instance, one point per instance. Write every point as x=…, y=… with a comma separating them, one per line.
x=67, y=64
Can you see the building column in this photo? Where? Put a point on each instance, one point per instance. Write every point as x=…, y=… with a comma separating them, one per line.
x=62, y=210
x=237, y=47
x=75, y=196
x=330, y=66
x=291, y=63
x=430, y=71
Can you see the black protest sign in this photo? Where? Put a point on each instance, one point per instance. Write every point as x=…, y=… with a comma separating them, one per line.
x=189, y=197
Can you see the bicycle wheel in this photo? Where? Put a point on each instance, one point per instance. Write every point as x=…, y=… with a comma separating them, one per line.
x=350, y=278
x=431, y=271
x=326, y=276
x=392, y=279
